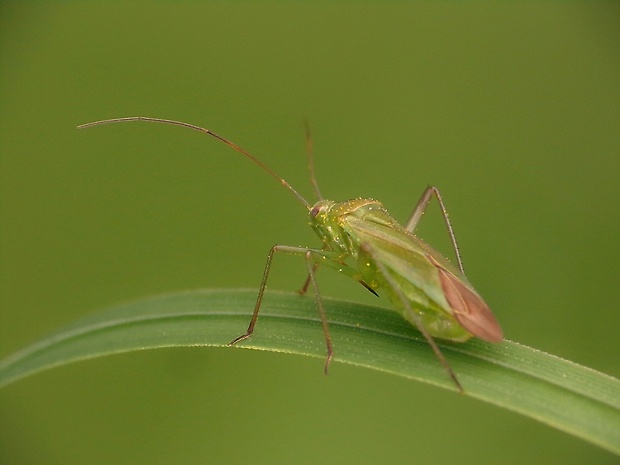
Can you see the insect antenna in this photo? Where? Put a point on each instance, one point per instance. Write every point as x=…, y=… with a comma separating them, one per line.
x=310, y=152
x=211, y=133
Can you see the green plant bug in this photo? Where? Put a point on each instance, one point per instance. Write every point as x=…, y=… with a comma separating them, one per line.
x=361, y=240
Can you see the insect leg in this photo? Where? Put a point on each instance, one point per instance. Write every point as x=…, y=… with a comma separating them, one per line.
x=304, y=288
x=419, y=210
x=263, y=285
x=312, y=257
x=312, y=265
x=414, y=316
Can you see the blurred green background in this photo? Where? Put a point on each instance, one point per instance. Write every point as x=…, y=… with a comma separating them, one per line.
x=512, y=110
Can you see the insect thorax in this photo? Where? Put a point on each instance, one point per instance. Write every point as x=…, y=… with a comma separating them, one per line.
x=327, y=217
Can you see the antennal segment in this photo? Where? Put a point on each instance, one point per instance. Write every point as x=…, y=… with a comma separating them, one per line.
x=206, y=131
x=310, y=152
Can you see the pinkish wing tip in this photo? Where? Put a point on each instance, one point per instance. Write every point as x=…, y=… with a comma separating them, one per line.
x=469, y=308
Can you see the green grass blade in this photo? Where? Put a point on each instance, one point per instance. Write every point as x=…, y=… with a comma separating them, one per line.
x=559, y=393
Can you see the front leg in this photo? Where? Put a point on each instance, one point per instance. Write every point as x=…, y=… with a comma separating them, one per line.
x=313, y=258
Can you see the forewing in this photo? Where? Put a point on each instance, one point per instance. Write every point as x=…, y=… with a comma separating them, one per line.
x=413, y=260
x=403, y=254
x=469, y=309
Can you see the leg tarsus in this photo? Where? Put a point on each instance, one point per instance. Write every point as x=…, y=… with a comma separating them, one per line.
x=328, y=359
x=244, y=336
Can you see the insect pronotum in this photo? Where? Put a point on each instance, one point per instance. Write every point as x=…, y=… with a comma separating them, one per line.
x=361, y=240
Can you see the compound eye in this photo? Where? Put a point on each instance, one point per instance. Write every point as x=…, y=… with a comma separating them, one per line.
x=315, y=211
